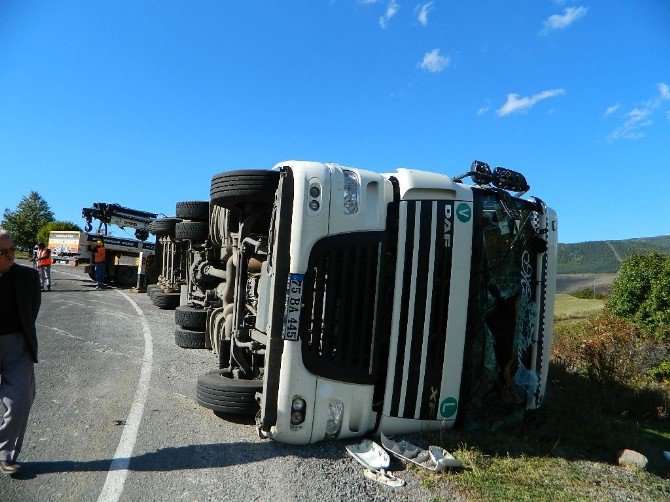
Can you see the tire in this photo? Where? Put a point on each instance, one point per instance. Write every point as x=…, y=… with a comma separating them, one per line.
x=189, y=317
x=125, y=276
x=189, y=339
x=227, y=395
x=191, y=231
x=151, y=289
x=163, y=226
x=233, y=188
x=167, y=301
x=193, y=210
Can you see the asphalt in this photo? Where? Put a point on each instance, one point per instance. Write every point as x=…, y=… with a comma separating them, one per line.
x=95, y=350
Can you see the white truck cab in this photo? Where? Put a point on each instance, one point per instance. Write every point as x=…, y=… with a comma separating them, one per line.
x=395, y=303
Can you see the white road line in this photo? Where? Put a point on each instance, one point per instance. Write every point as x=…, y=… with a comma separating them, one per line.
x=67, y=273
x=118, y=471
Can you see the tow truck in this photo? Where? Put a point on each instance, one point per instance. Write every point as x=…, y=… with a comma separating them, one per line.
x=123, y=255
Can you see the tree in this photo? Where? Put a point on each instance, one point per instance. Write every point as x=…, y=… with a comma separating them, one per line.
x=641, y=293
x=31, y=214
x=43, y=233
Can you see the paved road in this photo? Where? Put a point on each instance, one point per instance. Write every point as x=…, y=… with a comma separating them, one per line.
x=115, y=418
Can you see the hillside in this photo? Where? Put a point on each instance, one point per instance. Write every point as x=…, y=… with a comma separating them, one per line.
x=603, y=257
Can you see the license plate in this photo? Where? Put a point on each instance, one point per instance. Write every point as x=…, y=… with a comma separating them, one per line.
x=291, y=329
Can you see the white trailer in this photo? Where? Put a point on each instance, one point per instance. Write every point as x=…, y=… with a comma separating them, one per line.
x=122, y=255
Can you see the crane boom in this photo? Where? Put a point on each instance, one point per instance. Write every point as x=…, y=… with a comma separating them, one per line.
x=120, y=216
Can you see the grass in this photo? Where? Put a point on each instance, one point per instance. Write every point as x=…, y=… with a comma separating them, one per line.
x=569, y=308
x=566, y=450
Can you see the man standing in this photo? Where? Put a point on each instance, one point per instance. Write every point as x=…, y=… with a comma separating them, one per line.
x=20, y=297
x=99, y=264
x=44, y=265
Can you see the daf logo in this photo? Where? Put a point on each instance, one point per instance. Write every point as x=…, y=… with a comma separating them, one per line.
x=447, y=225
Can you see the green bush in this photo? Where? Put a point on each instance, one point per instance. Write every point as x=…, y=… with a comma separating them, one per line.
x=641, y=293
x=589, y=294
x=626, y=372
x=605, y=349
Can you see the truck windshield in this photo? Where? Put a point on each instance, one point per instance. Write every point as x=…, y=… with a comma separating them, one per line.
x=503, y=313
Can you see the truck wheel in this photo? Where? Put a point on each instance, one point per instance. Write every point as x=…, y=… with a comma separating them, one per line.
x=191, y=231
x=125, y=276
x=163, y=226
x=193, y=210
x=238, y=187
x=189, y=317
x=167, y=301
x=226, y=395
x=189, y=339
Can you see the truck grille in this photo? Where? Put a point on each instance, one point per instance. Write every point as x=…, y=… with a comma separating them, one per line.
x=340, y=293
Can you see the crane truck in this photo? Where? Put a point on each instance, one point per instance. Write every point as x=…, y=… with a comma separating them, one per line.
x=123, y=254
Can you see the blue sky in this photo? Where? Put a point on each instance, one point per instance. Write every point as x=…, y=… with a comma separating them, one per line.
x=141, y=102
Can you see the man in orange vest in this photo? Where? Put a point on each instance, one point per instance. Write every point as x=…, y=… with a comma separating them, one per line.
x=44, y=265
x=99, y=264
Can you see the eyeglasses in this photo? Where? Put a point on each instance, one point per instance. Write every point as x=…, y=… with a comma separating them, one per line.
x=6, y=251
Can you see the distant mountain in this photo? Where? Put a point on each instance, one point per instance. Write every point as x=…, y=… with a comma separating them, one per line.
x=601, y=257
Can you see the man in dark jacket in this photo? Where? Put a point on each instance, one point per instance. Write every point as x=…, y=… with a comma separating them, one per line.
x=20, y=297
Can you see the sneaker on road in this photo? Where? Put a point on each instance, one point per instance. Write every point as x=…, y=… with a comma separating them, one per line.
x=9, y=468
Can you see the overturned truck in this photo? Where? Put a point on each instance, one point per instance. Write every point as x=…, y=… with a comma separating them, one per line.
x=341, y=301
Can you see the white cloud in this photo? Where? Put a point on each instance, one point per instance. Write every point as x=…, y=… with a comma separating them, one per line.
x=664, y=91
x=368, y=1
x=639, y=118
x=482, y=110
x=434, y=62
x=422, y=11
x=562, y=21
x=611, y=109
x=391, y=10
x=517, y=104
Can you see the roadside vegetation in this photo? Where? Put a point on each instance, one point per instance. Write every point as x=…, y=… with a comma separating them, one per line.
x=608, y=389
x=31, y=222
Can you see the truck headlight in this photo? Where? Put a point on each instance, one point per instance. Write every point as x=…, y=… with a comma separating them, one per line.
x=335, y=414
x=352, y=192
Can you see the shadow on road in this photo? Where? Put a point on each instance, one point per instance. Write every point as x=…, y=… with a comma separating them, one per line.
x=204, y=456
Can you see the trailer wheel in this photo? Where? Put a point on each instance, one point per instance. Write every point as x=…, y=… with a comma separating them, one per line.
x=189, y=317
x=125, y=276
x=191, y=231
x=233, y=188
x=193, y=210
x=167, y=301
x=189, y=338
x=163, y=226
x=227, y=395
